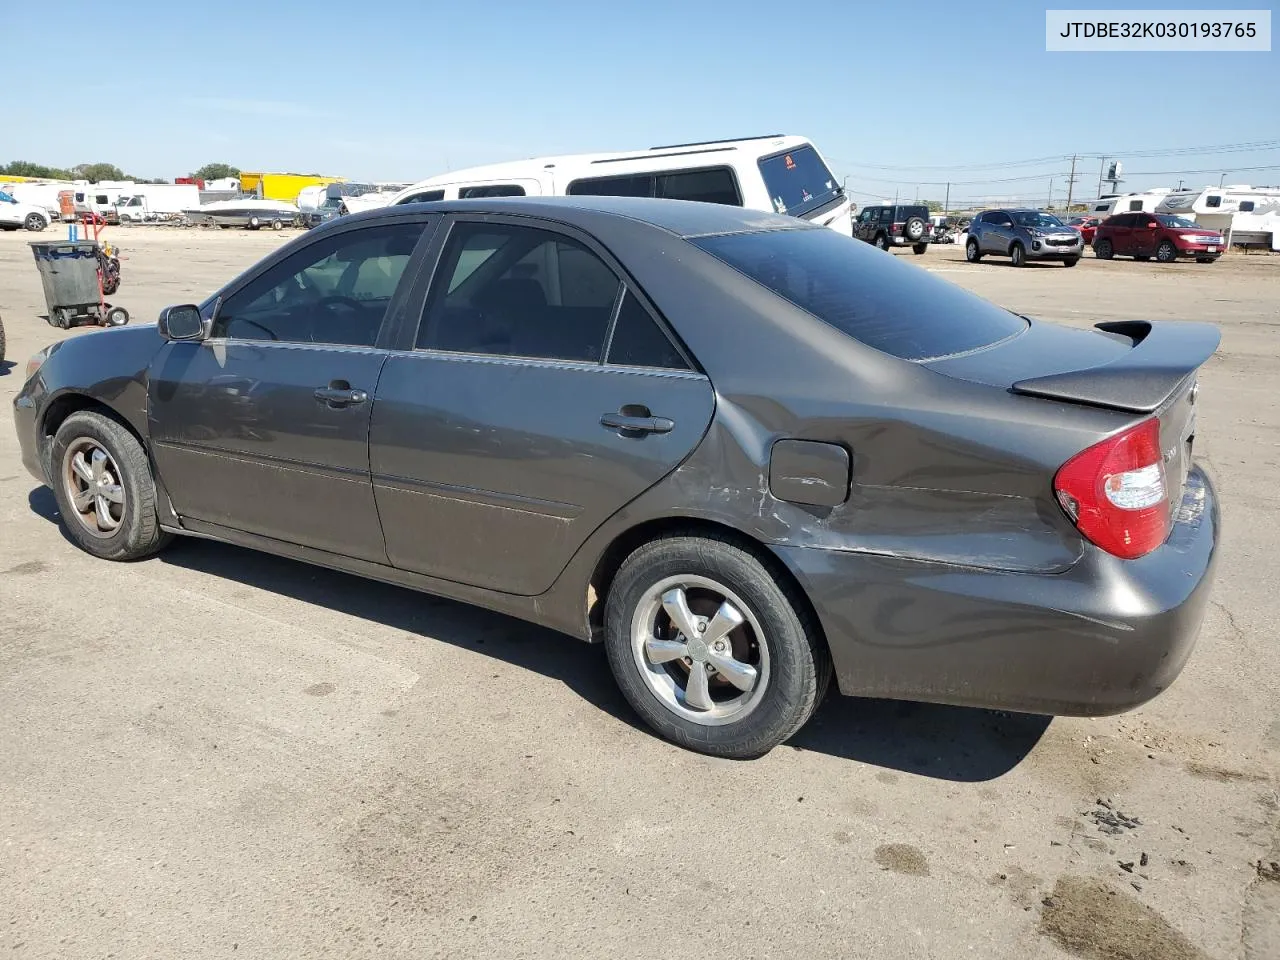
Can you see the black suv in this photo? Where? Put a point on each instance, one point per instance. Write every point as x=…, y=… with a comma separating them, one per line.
x=895, y=226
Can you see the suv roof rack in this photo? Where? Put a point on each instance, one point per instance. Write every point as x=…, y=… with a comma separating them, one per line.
x=708, y=143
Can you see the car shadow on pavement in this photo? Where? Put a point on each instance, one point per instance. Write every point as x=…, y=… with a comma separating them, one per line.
x=946, y=743
x=962, y=744
x=6, y=366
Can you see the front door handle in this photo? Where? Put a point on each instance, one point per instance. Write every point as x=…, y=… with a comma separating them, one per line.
x=636, y=425
x=339, y=393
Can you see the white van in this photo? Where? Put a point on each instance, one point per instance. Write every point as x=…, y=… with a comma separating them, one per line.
x=777, y=173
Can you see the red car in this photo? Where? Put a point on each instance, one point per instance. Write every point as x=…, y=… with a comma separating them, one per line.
x=1146, y=235
x=1086, y=226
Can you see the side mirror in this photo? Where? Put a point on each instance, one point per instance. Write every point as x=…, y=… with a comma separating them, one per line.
x=182, y=323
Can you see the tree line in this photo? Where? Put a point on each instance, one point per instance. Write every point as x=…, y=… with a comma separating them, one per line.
x=97, y=172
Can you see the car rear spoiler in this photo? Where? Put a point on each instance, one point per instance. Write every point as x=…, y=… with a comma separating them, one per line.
x=1164, y=355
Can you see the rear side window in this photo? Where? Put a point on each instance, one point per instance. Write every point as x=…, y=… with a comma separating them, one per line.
x=712, y=185
x=1246, y=206
x=638, y=341
x=426, y=196
x=491, y=190
x=882, y=302
x=518, y=291
x=637, y=186
x=798, y=181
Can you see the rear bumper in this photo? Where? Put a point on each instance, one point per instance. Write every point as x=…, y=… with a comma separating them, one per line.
x=1101, y=638
x=906, y=242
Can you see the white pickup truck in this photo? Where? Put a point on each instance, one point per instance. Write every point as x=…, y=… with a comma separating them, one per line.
x=15, y=214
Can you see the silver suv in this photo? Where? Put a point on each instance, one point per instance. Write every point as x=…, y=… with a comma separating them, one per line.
x=1022, y=235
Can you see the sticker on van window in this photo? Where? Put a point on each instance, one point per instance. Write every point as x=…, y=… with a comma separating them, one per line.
x=791, y=164
x=779, y=206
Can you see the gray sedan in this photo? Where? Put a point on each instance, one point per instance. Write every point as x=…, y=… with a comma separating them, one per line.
x=743, y=452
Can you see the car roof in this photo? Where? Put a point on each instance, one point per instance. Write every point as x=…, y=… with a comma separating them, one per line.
x=684, y=218
x=619, y=162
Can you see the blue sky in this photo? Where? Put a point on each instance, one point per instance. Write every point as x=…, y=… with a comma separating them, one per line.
x=404, y=90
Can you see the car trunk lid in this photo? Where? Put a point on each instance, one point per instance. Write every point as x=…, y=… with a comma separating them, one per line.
x=1137, y=367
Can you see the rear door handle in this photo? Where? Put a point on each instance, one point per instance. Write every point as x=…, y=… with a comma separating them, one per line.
x=339, y=395
x=625, y=424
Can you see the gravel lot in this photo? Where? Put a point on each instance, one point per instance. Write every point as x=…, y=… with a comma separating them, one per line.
x=220, y=753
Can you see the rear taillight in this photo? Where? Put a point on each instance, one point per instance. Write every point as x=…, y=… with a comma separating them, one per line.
x=1115, y=492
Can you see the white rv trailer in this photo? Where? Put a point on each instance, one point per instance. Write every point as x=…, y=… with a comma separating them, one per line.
x=1244, y=214
x=1145, y=202
x=777, y=173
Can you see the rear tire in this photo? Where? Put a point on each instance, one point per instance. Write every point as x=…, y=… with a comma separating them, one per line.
x=1166, y=252
x=1103, y=250
x=117, y=317
x=277, y=225
x=775, y=650
x=1018, y=255
x=92, y=452
x=1070, y=261
x=971, y=251
x=920, y=248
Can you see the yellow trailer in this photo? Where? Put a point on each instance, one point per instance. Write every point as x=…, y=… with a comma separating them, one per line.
x=282, y=186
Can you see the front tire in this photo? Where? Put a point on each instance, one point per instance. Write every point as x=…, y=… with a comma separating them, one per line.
x=35, y=223
x=1018, y=255
x=1070, y=261
x=1166, y=252
x=713, y=652
x=971, y=251
x=104, y=489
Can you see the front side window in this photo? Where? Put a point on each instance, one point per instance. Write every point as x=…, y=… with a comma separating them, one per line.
x=1180, y=223
x=891, y=306
x=798, y=181
x=334, y=291
x=519, y=291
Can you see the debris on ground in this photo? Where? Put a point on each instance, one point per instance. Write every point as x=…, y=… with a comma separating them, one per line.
x=1111, y=821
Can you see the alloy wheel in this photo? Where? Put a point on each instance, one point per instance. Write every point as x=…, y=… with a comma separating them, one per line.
x=700, y=650
x=93, y=486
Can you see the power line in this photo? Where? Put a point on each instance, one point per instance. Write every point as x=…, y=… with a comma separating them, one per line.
x=1259, y=146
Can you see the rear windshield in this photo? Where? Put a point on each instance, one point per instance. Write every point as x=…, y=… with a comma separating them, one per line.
x=798, y=181
x=880, y=300
x=906, y=213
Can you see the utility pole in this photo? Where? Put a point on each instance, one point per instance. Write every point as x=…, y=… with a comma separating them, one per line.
x=1071, y=182
x=946, y=204
x=1049, y=205
x=1102, y=168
